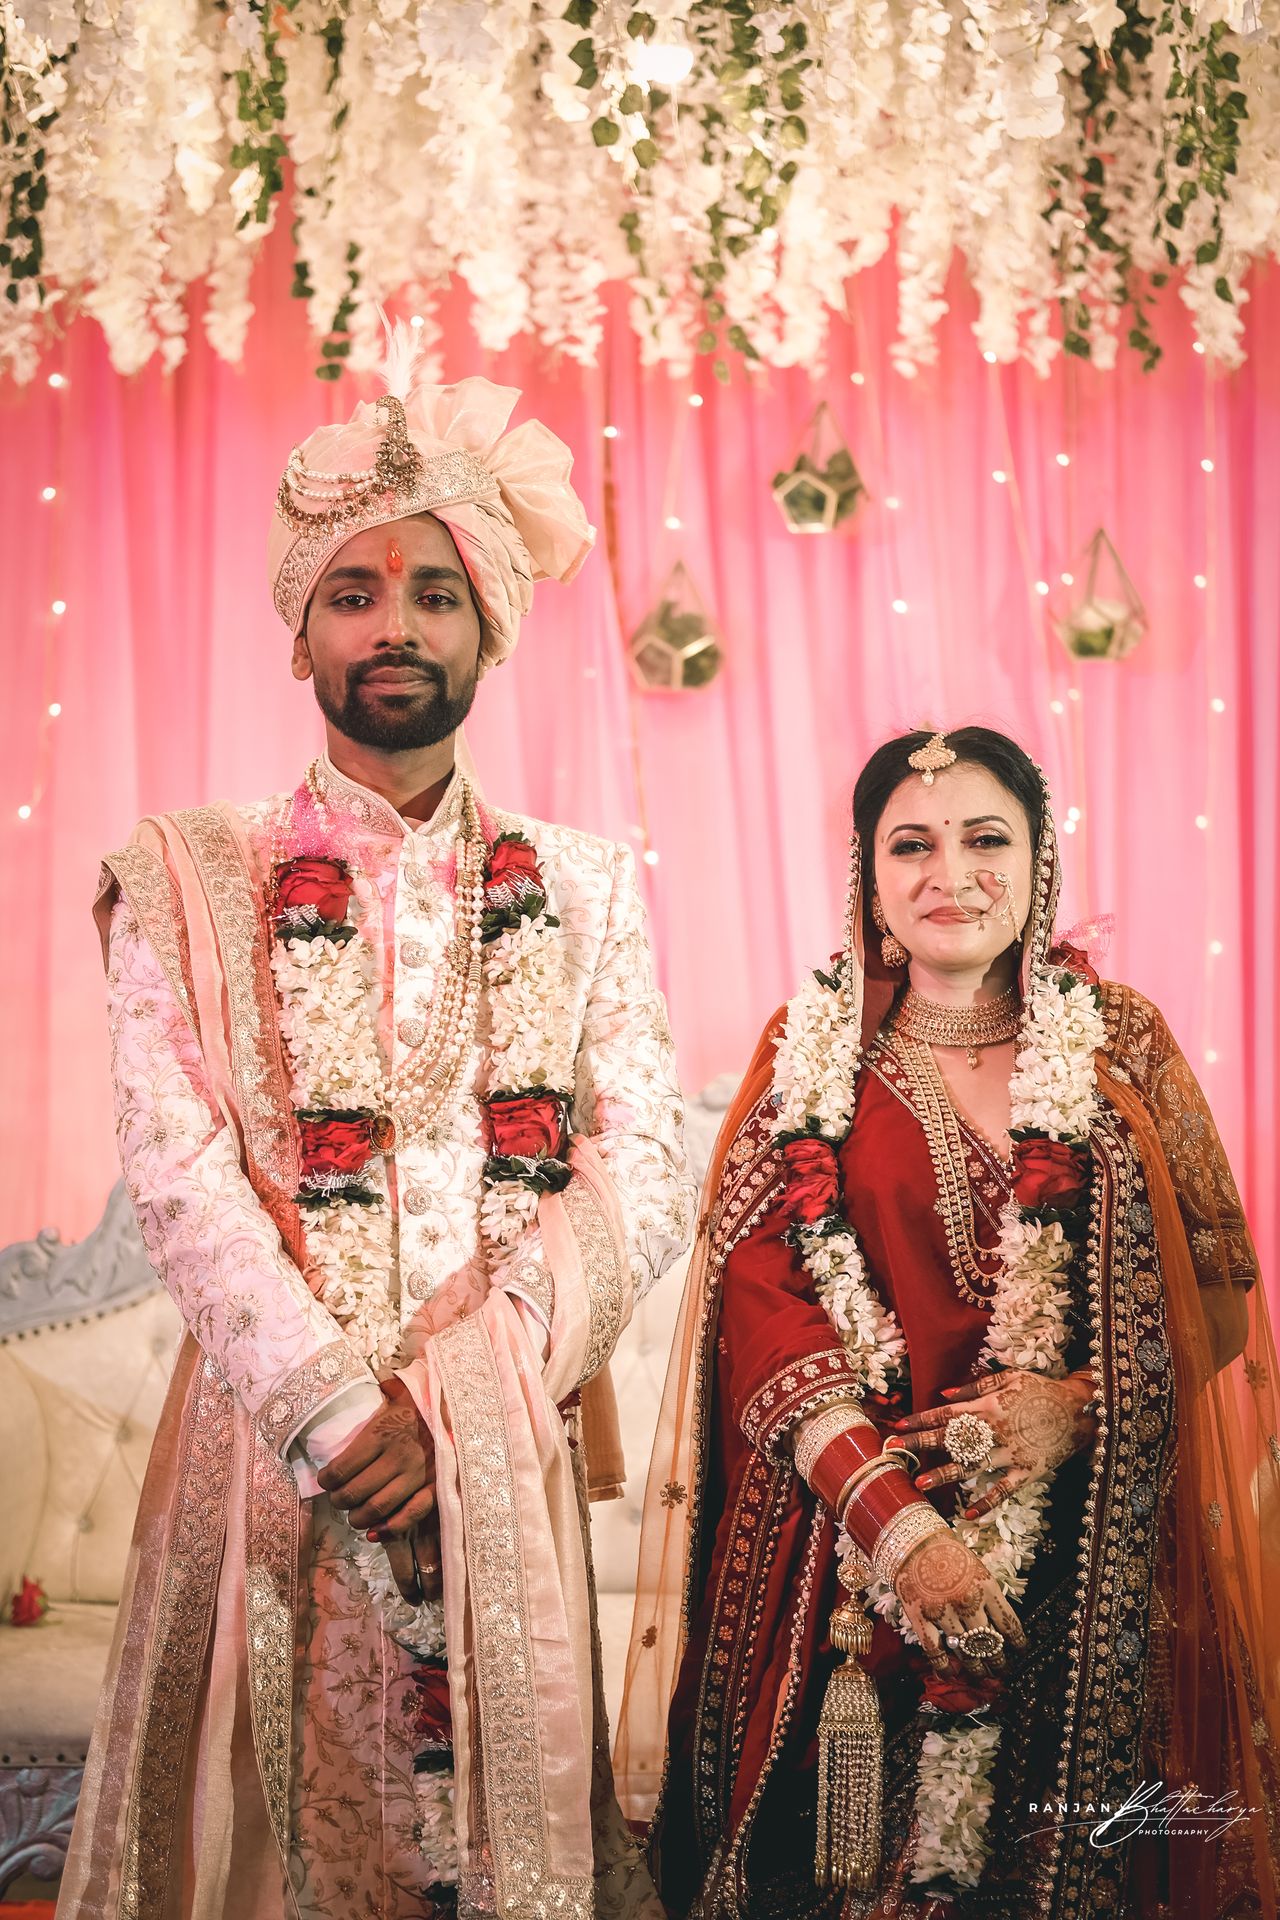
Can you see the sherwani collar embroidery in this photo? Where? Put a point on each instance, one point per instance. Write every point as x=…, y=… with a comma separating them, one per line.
x=371, y=810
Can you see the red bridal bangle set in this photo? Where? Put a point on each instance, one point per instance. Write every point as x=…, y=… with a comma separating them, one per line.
x=841, y=1458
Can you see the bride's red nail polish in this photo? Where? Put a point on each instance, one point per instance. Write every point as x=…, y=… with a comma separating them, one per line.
x=971, y=1513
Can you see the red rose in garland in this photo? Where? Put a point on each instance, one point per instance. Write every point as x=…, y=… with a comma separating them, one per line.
x=335, y=1145
x=428, y=1702
x=28, y=1605
x=513, y=878
x=310, y=881
x=531, y=1126
x=813, y=1180
x=1049, y=1173
x=1075, y=960
x=962, y=1693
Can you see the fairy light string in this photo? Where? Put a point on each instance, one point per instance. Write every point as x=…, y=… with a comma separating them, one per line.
x=52, y=495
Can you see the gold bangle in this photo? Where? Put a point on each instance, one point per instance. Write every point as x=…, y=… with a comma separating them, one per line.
x=821, y=1429
x=900, y=1535
x=869, y=1471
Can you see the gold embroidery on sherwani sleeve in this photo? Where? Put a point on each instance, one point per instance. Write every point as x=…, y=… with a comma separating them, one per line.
x=185, y=1610
x=257, y=1054
x=149, y=889
x=514, y=1796
x=305, y=1389
x=606, y=1286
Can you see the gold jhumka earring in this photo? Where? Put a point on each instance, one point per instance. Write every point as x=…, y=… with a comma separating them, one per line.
x=892, y=951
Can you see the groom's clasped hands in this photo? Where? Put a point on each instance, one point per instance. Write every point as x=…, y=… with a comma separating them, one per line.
x=383, y=1484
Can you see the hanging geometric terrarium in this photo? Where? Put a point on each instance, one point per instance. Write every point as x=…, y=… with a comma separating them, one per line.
x=676, y=647
x=1103, y=618
x=822, y=489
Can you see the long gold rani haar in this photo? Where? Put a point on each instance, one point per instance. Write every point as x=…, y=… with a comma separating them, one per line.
x=850, y=1755
x=974, y=1268
x=415, y=1099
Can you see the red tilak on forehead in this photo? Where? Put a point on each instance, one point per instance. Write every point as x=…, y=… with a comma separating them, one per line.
x=395, y=559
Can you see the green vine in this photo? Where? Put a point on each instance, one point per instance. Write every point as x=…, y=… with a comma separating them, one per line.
x=744, y=106
x=260, y=107
x=1205, y=112
x=25, y=188
x=1203, y=134
x=336, y=345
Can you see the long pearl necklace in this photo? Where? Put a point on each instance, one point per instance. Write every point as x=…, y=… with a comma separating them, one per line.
x=416, y=1099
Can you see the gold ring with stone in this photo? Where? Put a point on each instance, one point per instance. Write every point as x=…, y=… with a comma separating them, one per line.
x=968, y=1439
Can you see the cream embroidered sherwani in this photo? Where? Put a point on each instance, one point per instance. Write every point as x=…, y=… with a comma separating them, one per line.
x=253, y=1755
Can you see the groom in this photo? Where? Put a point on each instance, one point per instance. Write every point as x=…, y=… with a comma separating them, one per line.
x=397, y=1110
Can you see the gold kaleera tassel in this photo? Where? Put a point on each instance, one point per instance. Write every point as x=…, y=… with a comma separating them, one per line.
x=850, y=1752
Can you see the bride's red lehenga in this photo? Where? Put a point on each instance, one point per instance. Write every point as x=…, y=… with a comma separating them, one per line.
x=1151, y=1607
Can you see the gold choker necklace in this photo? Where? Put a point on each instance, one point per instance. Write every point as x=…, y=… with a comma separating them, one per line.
x=974, y=1027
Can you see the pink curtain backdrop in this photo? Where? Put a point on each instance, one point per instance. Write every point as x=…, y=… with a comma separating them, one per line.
x=170, y=667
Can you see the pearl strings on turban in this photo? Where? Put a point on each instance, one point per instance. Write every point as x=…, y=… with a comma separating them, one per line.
x=505, y=497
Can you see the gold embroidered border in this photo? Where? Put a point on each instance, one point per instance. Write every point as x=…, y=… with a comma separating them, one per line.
x=257, y=1056
x=1102, y=1712
x=183, y=1619
x=151, y=892
x=606, y=1282
x=535, y=1283
x=801, y=1388
x=528, y=1887
x=270, y=1589
x=445, y=480
x=751, y=1183
x=304, y=1389
x=737, y=1893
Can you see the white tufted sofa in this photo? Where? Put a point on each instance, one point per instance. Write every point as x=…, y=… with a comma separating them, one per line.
x=87, y=1338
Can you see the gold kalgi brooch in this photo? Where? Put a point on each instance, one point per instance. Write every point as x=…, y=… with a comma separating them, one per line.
x=930, y=759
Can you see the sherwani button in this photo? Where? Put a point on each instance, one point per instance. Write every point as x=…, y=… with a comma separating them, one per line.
x=413, y=953
x=412, y=1031
x=416, y=1199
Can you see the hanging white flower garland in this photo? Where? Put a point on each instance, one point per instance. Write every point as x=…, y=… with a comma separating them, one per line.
x=1054, y=1097
x=326, y=979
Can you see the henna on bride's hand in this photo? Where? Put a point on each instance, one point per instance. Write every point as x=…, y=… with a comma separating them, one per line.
x=1037, y=1422
x=940, y=1573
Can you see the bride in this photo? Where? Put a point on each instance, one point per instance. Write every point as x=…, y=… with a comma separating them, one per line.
x=963, y=1505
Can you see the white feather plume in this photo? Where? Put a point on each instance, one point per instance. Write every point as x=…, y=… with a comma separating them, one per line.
x=402, y=356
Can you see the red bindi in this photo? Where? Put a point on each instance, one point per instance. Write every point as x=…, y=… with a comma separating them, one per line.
x=395, y=559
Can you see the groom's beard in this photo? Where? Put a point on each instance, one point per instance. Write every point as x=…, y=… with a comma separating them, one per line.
x=396, y=720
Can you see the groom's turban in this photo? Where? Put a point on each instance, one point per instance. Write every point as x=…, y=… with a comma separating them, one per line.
x=505, y=497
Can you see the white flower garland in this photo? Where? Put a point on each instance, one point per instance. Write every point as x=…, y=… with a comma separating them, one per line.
x=532, y=1044
x=1054, y=1095
x=326, y=989
x=331, y=1045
